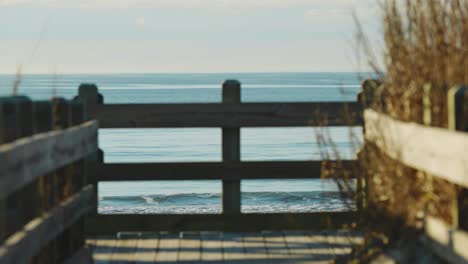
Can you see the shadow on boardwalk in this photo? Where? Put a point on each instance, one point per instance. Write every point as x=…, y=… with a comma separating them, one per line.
x=217, y=247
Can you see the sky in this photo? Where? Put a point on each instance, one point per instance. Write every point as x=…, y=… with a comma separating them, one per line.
x=150, y=36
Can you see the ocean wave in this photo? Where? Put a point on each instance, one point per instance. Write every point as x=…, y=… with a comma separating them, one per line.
x=211, y=203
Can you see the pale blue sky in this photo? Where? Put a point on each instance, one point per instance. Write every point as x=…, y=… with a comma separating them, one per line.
x=107, y=36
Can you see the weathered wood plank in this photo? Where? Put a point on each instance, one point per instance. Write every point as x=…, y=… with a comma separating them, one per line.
x=146, y=248
x=319, y=243
x=23, y=245
x=254, y=247
x=125, y=250
x=27, y=159
x=448, y=243
x=211, y=246
x=213, y=170
x=168, y=248
x=275, y=245
x=217, y=222
x=190, y=247
x=439, y=152
x=233, y=247
x=226, y=115
x=231, y=195
x=102, y=247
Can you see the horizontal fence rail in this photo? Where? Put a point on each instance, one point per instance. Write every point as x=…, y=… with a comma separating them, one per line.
x=25, y=244
x=216, y=170
x=44, y=166
x=25, y=160
x=230, y=115
x=217, y=222
x=226, y=115
x=440, y=152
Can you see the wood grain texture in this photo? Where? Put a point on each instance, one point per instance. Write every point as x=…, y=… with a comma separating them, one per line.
x=216, y=222
x=213, y=170
x=439, y=152
x=226, y=115
x=24, y=160
x=23, y=245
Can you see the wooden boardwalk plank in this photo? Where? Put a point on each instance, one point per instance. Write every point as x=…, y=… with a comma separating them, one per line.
x=340, y=242
x=102, y=247
x=276, y=245
x=190, y=247
x=233, y=248
x=298, y=245
x=146, y=248
x=125, y=249
x=228, y=247
x=211, y=246
x=168, y=248
x=319, y=246
x=254, y=246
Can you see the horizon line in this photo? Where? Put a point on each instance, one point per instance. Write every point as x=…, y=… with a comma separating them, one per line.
x=187, y=72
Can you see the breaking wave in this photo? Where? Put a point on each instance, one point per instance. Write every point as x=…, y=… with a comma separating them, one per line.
x=266, y=202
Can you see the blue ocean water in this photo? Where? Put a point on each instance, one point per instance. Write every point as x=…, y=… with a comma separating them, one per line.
x=175, y=145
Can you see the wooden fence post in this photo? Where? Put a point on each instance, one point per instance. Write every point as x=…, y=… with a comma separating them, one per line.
x=77, y=236
x=63, y=177
x=89, y=95
x=231, y=150
x=369, y=97
x=458, y=121
x=42, y=111
x=371, y=94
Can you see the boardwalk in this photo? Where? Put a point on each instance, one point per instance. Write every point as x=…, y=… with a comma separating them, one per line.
x=218, y=247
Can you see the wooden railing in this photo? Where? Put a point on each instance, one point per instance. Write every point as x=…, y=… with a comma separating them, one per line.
x=50, y=167
x=230, y=115
x=441, y=153
x=44, y=158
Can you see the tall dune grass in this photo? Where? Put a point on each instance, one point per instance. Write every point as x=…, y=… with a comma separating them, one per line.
x=425, y=54
x=426, y=42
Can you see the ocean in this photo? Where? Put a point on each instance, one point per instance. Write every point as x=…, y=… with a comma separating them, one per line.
x=176, y=145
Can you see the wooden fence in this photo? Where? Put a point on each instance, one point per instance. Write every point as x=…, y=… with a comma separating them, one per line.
x=45, y=155
x=51, y=166
x=441, y=153
x=230, y=115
